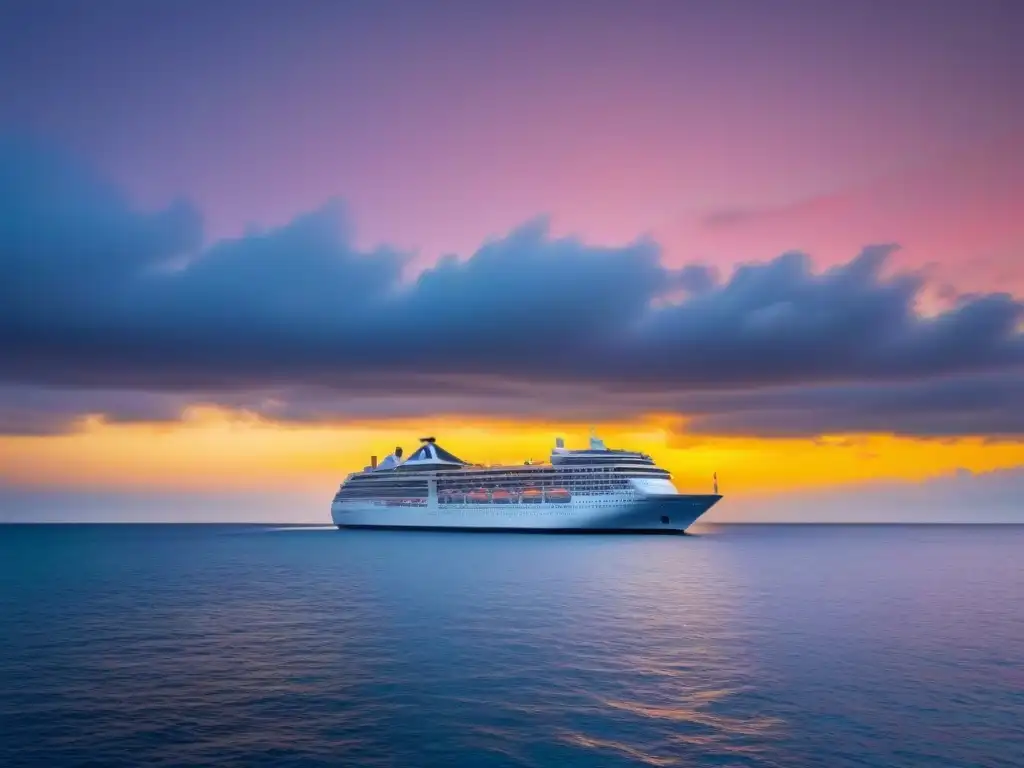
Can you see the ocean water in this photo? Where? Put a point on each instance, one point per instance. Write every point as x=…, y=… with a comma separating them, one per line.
x=741, y=646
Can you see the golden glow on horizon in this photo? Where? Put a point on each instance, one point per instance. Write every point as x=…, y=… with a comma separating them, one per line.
x=210, y=451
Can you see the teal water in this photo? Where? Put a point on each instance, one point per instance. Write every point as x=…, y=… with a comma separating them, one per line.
x=742, y=646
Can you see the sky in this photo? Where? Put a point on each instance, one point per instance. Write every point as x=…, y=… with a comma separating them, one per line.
x=246, y=245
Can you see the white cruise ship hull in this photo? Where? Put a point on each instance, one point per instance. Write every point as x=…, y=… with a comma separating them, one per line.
x=655, y=514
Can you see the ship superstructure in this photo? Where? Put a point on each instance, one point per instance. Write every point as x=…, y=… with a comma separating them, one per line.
x=593, y=489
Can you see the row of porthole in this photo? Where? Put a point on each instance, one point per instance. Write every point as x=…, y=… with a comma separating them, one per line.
x=509, y=512
x=534, y=508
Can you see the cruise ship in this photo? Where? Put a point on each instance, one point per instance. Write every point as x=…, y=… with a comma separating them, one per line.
x=596, y=489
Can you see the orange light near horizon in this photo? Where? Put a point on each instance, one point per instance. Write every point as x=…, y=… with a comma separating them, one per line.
x=211, y=450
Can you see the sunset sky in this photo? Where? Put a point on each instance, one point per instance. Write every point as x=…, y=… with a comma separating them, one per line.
x=246, y=244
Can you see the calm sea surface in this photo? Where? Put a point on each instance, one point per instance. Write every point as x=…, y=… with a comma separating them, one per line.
x=742, y=646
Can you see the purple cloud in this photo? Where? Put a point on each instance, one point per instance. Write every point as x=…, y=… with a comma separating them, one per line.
x=97, y=297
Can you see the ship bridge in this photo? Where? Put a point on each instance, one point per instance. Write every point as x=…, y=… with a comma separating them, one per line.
x=597, y=454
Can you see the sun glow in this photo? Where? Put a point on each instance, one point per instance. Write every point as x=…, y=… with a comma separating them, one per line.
x=211, y=450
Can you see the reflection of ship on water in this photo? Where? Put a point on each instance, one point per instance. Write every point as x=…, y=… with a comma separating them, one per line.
x=594, y=489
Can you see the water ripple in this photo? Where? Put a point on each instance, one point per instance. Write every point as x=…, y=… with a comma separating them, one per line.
x=193, y=645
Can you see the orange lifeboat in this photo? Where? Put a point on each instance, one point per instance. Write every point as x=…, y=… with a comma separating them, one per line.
x=532, y=496
x=557, y=495
x=501, y=496
x=478, y=496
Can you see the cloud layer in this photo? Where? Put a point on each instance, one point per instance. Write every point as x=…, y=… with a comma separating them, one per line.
x=107, y=309
x=958, y=497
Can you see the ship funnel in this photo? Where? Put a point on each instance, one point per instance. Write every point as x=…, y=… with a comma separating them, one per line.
x=398, y=451
x=373, y=462
x=559, y=442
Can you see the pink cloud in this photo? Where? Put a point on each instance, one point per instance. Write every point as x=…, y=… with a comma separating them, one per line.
x=960, y=215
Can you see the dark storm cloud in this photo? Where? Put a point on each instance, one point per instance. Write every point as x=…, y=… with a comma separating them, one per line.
x=979, y=404
x=27, y=410
x=33, y=410
x=96, y=297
